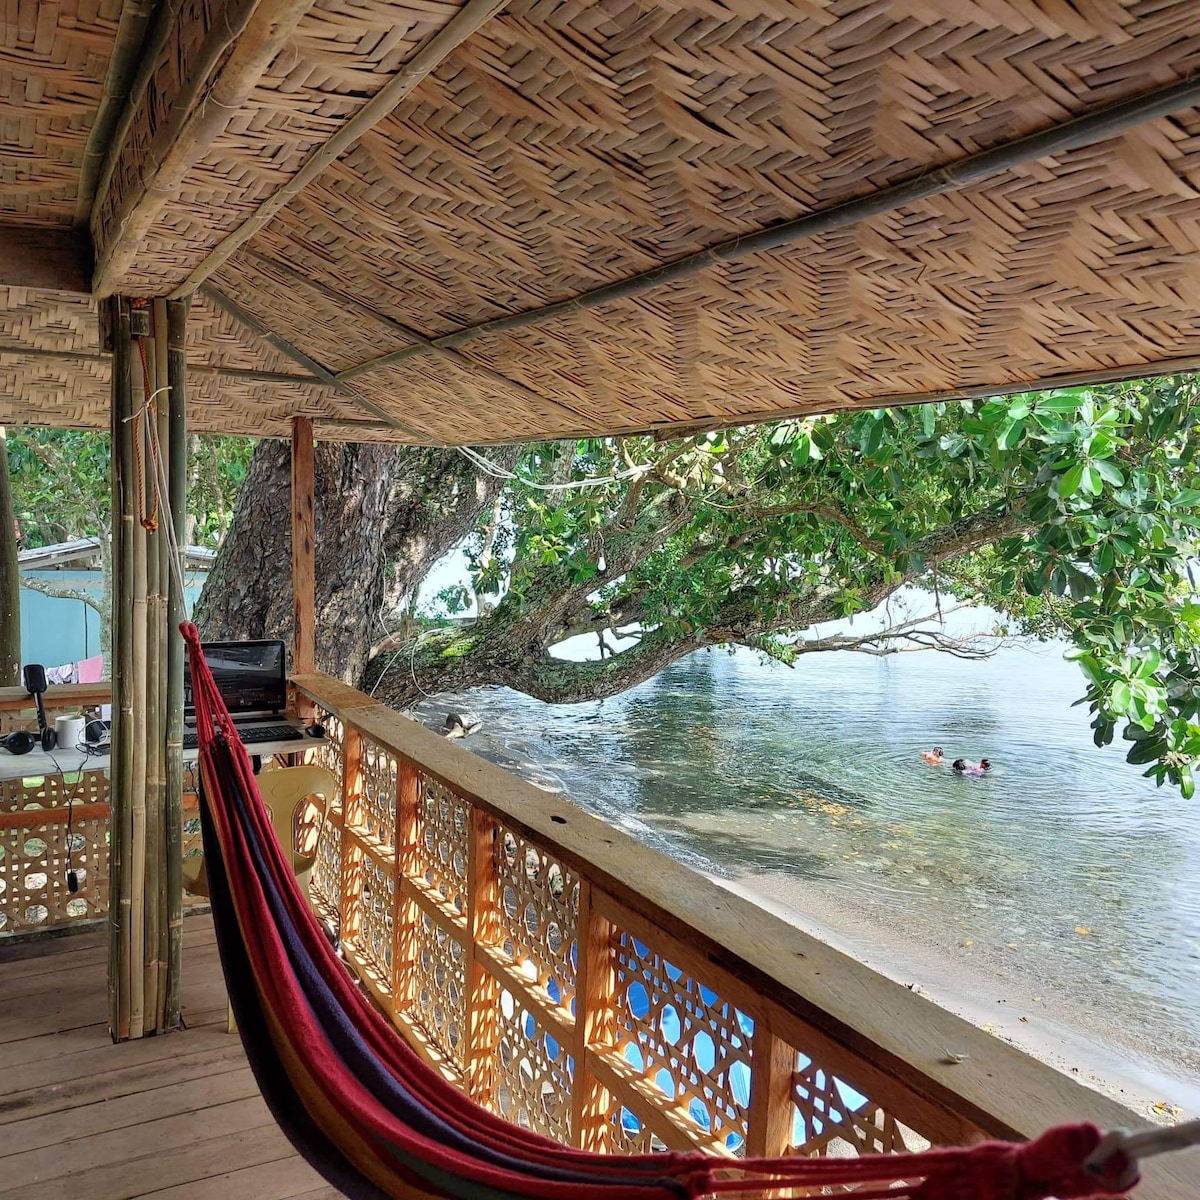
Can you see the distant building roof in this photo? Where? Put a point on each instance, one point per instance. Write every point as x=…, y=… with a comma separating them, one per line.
x=82, y=550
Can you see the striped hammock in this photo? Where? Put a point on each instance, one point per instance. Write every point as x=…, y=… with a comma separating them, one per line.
x=359, y=1104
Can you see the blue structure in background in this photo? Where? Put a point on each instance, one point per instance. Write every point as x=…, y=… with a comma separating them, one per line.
x=55, y=631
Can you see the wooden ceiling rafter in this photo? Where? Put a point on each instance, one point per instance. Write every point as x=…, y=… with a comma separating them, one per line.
x=248, y=39
x=352, y=304
x=322, y=373
x=1082, y=131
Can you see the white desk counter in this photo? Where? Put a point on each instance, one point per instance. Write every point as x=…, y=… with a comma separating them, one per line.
x=37, y=762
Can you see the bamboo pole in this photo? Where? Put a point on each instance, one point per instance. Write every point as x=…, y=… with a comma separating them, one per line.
x=153, y=734
x=435, y=49
x=177, y=313
x=121, y=832
x=137, y=731
x=161, y=902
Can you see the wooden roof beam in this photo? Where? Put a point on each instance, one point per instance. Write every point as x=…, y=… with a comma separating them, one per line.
x=471, y=17
x=1086, y=130
x=36, y=257
x=256, y=30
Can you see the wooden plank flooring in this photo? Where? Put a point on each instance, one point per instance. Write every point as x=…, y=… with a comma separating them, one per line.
x=175, y=1118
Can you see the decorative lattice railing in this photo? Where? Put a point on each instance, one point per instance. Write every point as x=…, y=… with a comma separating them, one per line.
x=591, y=988
x=48, y=821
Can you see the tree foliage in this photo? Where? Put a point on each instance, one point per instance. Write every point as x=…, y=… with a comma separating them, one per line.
x=62, y=491
x=1072, y=512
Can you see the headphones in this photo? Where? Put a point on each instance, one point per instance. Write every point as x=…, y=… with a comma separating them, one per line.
x=20, y=741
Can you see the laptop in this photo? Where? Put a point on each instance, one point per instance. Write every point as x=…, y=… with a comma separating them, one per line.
x=252, y=679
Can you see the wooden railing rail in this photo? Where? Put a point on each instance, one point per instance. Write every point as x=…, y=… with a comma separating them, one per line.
x=597, y=991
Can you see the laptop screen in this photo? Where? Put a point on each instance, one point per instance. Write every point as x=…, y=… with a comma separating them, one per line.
x=251, y=676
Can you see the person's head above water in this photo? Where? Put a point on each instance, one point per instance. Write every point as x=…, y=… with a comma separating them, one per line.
x=938, y=752
x=983, y=762
x=960, y=764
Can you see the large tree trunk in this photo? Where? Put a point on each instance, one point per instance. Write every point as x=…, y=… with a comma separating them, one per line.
x=10, y=580
x=385, y=515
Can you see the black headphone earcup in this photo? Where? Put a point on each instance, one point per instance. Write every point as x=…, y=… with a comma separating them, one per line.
x=49, y=738
x=20, y=741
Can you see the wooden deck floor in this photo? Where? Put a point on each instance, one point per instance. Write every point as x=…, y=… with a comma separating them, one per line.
x=174, y=1117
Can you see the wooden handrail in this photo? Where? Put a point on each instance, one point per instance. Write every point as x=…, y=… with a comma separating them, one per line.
x=58, y=695
x=922, y=1066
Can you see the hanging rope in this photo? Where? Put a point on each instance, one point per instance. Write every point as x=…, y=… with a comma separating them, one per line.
x=149, y=520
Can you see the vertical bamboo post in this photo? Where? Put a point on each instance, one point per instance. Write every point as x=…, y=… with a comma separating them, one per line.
x=351, y=881
x=121, y=830
x=595, y=1025
x=153, y=735
x=137, y=688
x=406, y=918
x=483, y=994
x=770, y=1119
x=162, y=950
x=304, y=520
x=177, y=313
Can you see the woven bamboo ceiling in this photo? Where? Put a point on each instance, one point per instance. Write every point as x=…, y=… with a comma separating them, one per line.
x=441, y=222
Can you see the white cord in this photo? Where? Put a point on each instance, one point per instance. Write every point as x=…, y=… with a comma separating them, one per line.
x=498, y=472
x=1136, y=1146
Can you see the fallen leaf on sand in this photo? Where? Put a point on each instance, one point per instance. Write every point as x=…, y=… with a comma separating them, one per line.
x=988, y=1028
x=1083, y=931
x=1012, y=945
x=968, y=944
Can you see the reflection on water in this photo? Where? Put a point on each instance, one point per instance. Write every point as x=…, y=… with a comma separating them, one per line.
x=1063, y=852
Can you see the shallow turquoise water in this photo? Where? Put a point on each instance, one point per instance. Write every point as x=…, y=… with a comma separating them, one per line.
x=816, y=773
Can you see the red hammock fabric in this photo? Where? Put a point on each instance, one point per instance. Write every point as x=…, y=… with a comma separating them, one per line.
x=360, y=1105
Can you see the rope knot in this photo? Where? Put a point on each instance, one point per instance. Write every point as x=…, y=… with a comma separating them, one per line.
x=1053, y=1165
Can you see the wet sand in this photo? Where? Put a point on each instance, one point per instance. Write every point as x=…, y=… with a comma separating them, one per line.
x=1079, y=1035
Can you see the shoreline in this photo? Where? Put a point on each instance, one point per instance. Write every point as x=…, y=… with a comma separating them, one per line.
x=1032, y=1016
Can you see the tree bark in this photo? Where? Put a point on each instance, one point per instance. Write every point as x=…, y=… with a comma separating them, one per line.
x=385, y=515
x=10, y=579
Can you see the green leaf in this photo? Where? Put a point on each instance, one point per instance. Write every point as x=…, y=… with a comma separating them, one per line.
x=1068, y=485
x=1110, y=472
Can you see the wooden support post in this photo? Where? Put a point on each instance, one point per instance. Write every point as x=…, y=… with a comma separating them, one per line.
x=155, y=733
x=121, y=832
x=304, y=520
x=483, y=993
x=137, y=729
x=771, y=1117
x=595, y=1025
x=351, y=882
x=177, y=466
x=406, y=918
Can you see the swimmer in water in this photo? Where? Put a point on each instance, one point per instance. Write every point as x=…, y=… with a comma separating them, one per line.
x=975, y=770
x=936, y=756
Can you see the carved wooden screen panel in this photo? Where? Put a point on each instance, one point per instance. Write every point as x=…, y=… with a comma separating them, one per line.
x=687, y=1042
x=439, y=988
x=325, y=883
x=832, y=1118
x=536, y=1073
x=539, y=914
x=48, y=826
x=443, y=824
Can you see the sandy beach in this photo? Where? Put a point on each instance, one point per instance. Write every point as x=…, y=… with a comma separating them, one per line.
x=1079, y=1035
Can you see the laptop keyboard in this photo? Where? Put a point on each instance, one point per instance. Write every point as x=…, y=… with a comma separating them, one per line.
x=253, y=735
